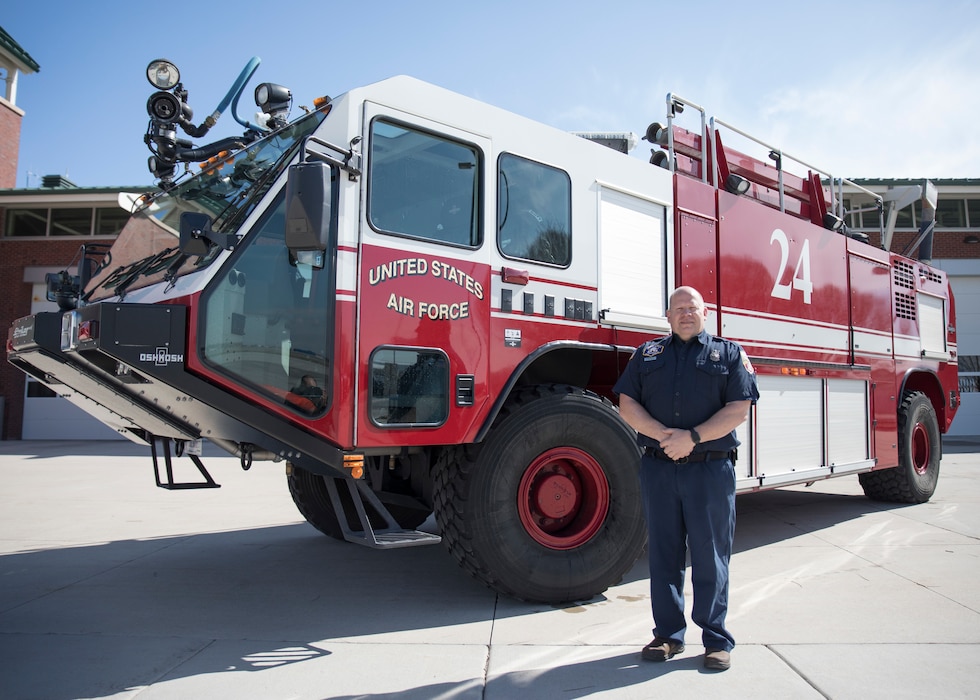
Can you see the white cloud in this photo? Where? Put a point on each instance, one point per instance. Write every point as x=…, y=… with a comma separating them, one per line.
x=916, y=121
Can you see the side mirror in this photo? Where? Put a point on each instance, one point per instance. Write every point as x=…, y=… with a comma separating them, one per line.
x=194, y=232
x=308, y=194
x=196, y=236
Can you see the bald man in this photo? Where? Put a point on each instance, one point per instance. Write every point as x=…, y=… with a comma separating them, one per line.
x=685, y=394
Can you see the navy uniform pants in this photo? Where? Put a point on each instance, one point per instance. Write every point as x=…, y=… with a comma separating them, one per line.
x=690, y=507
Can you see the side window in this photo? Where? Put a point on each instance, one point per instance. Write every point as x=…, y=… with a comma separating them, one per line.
x=409, y=387
x=423, y=185
x=534, y=211
x=268, y=321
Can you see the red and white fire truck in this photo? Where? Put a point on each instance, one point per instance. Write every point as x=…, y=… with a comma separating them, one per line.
x=418, y=303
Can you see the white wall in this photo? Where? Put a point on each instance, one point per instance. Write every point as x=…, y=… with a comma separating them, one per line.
x=964, y=278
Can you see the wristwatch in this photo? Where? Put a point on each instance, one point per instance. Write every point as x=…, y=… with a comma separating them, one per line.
x=695, y=437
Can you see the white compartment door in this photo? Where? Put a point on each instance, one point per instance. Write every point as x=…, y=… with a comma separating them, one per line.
x=633, y=254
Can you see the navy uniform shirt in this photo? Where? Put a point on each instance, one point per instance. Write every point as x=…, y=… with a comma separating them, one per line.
x=683, y=384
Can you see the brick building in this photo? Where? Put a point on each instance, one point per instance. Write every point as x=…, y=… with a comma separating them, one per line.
x=14, y=61
x=955, y=249
x=41, y=230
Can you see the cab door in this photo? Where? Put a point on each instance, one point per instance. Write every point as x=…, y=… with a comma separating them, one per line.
x=424, y=281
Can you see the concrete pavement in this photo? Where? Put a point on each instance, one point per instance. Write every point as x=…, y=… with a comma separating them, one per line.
x=112, y=588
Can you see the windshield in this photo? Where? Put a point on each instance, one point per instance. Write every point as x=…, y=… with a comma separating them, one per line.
x=227, y=190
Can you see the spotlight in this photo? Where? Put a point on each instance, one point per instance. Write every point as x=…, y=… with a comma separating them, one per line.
x=656, y=133
x=659, y=158
x=736, y=184
x=832, y=223
x=162, y=74
x=270, y=97
x=274, y=100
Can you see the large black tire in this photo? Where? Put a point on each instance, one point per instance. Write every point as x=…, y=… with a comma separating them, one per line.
x=919, y=453
x=309, y=493
x=548, y=507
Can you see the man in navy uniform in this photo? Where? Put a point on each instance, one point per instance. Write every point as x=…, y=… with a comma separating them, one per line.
x=685, y=394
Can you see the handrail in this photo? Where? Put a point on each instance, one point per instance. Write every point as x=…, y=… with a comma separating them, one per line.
x=774, y=151
x=708, y=130
x=674, y=101
x=877, y=198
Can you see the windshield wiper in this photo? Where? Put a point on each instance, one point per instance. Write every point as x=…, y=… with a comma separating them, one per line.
x=136, y=270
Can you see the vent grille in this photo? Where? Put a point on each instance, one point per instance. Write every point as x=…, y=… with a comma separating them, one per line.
x=933, y=276
x=904, y=275
x=905, y=305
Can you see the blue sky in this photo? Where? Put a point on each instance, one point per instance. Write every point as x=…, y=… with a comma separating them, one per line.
x=859, y=88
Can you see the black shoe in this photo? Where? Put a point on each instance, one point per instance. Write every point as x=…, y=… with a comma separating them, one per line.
x=661, y=649
x=717, y=659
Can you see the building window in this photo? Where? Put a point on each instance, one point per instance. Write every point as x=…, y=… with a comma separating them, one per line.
x=969, y=371
x=870, y=219
x=65, y=221
x=70, y=222
x=862, y=214
x=950, y=213
x=973, y=213
x=27, y=222
x=109, y=222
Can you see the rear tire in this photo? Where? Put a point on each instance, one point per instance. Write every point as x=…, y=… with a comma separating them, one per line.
x=548, y=507
x=919, y=453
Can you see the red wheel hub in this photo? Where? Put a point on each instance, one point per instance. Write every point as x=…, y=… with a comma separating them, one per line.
x=921, y=449
x=563, y=498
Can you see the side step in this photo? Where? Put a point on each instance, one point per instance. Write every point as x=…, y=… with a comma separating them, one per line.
x=386, y=538
x=170, y=484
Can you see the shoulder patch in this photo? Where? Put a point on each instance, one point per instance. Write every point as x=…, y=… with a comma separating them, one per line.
x=746, y=363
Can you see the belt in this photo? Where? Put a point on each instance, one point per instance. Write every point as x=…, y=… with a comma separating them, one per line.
x=657, y=453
